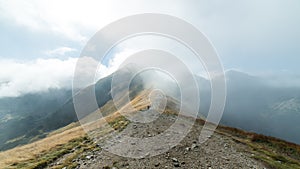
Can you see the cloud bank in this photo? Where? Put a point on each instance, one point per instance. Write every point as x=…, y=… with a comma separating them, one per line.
x=19, y=77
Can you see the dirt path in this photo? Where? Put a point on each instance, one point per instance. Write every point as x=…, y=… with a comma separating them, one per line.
x=218, y=152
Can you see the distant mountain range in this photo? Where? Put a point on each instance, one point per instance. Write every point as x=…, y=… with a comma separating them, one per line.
x=252, y=104
x=255, y=105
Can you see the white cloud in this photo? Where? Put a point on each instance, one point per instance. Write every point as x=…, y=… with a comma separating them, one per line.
x=114, y=63
x=74, y=19
x=18, y=78
x=68, y=18
x=265, y=32
x=60, y=51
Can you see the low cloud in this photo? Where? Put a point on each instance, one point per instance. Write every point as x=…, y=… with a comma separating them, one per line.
x=113, y=64
x=17, y=78
x=286, y=79
x=61, y=51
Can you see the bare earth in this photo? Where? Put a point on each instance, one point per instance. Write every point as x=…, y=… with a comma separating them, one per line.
x=219, y=151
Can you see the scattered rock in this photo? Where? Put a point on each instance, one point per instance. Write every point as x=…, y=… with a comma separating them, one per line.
x=225, y=158
x=176, y=164
x=174, y=159
x=194, y=146
x=191, y=156
x=89, y=157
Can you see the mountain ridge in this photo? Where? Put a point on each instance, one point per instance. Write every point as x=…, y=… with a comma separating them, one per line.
x=248, y=107
x=227, y=148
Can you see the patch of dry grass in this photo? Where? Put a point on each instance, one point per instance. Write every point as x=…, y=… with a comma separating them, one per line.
x=274, y=152
x=63, y=136
x=31, y=151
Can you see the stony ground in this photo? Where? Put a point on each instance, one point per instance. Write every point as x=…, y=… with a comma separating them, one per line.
x=218, y=152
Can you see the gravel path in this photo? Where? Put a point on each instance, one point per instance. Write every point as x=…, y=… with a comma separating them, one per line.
x=218, y=152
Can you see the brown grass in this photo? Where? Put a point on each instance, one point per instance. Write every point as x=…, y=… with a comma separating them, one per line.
x=62, y=136
x=30, y=151
x=267, y=149
x=276, y=153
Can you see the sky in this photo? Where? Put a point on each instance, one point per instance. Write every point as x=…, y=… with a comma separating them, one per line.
x=40, y=41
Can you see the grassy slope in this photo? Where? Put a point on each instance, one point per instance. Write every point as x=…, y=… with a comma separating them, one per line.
x=72, y=140
x=61, y=141
x=274, y=152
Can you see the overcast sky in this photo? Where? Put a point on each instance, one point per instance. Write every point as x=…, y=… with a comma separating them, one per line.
x=40, y=40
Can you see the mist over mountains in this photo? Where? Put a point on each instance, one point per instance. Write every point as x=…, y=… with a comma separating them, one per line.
x=252, y=104
x=32, y=116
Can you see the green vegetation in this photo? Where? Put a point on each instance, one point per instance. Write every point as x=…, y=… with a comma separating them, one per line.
x=119, y=123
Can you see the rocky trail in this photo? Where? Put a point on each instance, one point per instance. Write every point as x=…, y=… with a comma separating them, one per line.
x=220, y=151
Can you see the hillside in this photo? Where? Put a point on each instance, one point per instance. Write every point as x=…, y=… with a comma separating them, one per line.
x=252, y=105
x=23, y=122
x=70, y=147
